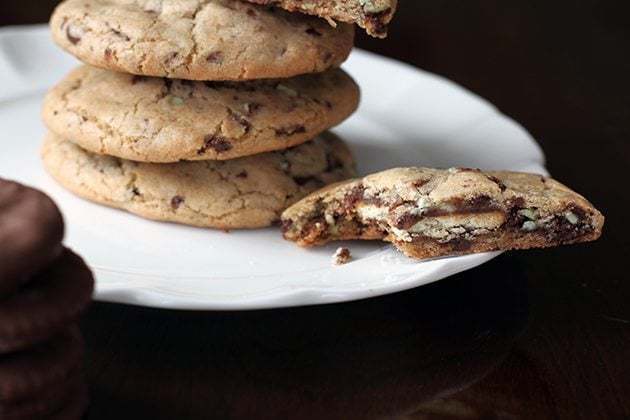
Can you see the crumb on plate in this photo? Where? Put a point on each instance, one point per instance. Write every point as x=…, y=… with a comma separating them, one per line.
x=342, y=256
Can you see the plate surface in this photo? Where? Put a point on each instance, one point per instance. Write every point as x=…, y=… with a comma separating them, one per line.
x=407, y=117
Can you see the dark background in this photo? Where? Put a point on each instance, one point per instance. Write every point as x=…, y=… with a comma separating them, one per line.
x=539, y=334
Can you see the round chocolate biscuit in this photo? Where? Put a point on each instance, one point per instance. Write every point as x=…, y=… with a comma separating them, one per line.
x=199, y=39
x=75, y=408
x=31, y=231
x=35, y=372
x=46, y=402
x=159, y=120
x=47, y=304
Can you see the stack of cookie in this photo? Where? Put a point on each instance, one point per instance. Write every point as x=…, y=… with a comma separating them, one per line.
x=43, y=290
x=212, y=113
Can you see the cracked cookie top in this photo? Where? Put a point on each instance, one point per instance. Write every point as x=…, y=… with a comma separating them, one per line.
x=249, y=192
x=433, y=212
x=198, y=39
x=164, y=120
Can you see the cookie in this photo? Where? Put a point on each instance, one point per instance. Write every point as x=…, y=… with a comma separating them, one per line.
x=50, y=402
x=372, y=15
x=198, y=39
x=49, y=302
x=76, y=407
x=163, y=120
x=432, y=213
x=39, y=370
x=31, y=230
x=249, y=192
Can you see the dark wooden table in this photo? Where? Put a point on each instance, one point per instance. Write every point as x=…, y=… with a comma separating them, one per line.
x=540, y=334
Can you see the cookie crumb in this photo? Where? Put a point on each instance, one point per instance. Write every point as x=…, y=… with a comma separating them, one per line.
x=342, y=256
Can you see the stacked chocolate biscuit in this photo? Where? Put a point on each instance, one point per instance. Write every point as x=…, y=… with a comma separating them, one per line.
x=43, y=290
x=211, y=113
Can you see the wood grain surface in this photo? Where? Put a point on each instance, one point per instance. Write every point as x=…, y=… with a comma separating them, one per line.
x=533, y=335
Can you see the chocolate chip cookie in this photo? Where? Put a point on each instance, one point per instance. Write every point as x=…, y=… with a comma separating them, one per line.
x=431, y=213
x=198, y=39
x=249, y=192
x=372, y=15
x=163, y=120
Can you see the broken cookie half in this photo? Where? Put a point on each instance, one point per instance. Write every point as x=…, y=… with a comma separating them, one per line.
x=429, y=213
x=371, y=15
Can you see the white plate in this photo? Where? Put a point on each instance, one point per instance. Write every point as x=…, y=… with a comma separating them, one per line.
x=407, y=117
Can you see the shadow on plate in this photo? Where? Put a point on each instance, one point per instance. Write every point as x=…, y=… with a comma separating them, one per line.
x=376, y=358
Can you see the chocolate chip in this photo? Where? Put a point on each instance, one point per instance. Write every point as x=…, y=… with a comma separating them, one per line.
x=108, y=54
x=135, y=191
x=514, y=218
x=217, y=143
x=313, y=32
x=291, y=130
x=407, y=220
x=377, y=21
x=419, y=183
x=353, y=197
x=460, y=244
x=215, y=57
x=480, y=204
x=119, y=34
x=176, y=202
x=579, y=212
x=332, y=163
x=498, y=182
x=561, y=230
x=286, y=225
x=242, y=174
x=251, y=13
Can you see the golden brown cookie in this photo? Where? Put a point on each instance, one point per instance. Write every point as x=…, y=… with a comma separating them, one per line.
x=249, y=192
x=431, y=213
x=163, y=120
x=198, y=39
